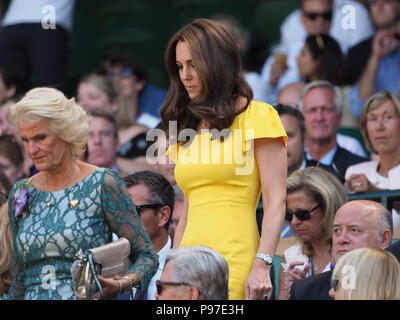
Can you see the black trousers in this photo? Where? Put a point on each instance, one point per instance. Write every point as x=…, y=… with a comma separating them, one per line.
x=42, y=53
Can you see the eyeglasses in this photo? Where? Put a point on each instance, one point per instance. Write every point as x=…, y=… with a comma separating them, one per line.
x=160, y=285
x=148, y=206
x=375, y=1
x=397, y=35
x=314, y=15
x=334, y=283
x=302, y=215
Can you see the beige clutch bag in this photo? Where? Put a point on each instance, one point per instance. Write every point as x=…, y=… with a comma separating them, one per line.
x=109, y=261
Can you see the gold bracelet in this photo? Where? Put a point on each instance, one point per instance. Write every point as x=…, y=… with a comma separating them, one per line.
x=130, y=283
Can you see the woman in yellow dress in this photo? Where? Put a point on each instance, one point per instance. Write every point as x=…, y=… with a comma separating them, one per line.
x=227, y=149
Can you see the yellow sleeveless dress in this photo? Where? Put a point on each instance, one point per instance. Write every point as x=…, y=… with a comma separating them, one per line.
x=222, y=185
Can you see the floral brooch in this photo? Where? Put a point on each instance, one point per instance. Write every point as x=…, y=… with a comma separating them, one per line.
x=21, y=198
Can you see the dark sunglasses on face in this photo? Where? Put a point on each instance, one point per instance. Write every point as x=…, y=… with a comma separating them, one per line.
x=160, y=285
x=147, y=206
x=327, y=16
x=302, y=215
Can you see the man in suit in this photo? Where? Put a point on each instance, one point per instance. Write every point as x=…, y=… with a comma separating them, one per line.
x=154, y=199
x=357, y=224
x=321, y=105
x=395, y=249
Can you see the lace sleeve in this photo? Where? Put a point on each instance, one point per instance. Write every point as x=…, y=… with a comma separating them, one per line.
x=17, y=288
x=123, y=220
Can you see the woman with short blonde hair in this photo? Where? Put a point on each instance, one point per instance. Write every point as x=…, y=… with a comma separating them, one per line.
x=366, y=274
x=70, y=205
x=66, y=119
x=380, y=127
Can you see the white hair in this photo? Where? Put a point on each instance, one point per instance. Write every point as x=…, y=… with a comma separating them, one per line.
x=326, y=85
x=64, y=117
x=202, y=267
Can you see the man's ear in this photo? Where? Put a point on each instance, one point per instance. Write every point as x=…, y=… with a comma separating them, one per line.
x=140, y=85
x=10, y=91
x=164, y=215
x=194, y=293
x=386, y=239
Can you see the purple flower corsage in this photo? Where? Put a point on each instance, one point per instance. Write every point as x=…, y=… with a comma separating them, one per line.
x=21, y=198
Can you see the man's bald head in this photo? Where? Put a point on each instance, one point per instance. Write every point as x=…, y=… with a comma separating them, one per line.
x=290, y=94
x=361, y=224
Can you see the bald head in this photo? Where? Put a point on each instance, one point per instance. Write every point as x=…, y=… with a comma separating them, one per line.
x=361, y=224
x=290, y=94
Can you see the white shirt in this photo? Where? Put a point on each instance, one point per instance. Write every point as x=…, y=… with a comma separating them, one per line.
x=346, y=33
x=392, y=182
x=30, y=11
x=162, y=257
x=350, y=144
x=294, y=253
x=294, y=34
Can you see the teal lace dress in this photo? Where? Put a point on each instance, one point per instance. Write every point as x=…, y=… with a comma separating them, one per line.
x=60, y=223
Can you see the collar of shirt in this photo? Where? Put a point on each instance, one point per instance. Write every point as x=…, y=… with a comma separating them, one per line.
x=326, y=159
x=162, y=254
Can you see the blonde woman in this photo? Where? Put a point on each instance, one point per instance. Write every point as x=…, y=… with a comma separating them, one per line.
x=5, y=249
x=366, y=274
x=67, y=206
x=313, y=197
x=380, y=127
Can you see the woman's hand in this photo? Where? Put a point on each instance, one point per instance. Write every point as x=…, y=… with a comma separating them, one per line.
x=258, y=284
x=277, y=70
x=110, y=288
x=291, y=275
x=359, y=183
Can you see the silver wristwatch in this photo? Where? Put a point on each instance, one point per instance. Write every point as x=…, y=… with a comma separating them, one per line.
x=265, y=257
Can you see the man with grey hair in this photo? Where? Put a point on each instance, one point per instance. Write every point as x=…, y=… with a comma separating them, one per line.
x=194, y=273
x=357, y=224
x=321, y=105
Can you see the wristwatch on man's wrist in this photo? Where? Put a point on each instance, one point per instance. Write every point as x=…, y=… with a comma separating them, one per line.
x=265, y=257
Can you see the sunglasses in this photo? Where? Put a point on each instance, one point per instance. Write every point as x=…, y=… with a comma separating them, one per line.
x=148, y=206
x=314, y=15
x=334, y=283
x=160, y=285
x=302, y=215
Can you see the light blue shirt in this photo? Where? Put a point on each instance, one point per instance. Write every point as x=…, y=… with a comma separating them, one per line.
x=388, y=78
x=326, y=160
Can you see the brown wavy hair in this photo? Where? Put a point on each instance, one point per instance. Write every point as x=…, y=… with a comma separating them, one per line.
x=216, y=60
